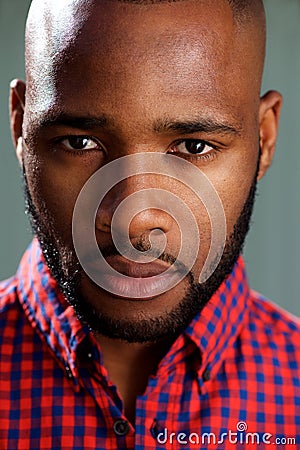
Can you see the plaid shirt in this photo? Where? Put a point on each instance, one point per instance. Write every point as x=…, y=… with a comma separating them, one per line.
x=231, y=380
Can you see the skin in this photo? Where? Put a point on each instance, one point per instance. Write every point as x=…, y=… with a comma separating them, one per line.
x=186, y=64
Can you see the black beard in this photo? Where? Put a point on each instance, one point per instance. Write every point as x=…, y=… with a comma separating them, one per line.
x=68, y=273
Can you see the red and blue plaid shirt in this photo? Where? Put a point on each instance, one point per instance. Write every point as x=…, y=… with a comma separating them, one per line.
x=232, y=380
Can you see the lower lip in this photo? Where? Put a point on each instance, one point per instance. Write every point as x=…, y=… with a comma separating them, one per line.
x=139, y=288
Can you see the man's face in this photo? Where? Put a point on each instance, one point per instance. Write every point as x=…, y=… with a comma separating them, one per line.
x=144, y=76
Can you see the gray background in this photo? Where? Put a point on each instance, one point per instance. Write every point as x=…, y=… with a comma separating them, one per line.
x=273, y=245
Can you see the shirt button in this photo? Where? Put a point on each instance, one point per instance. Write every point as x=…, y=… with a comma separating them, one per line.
x=206, y=375
x=69, y=372
x=154, y=429
x=121, y=427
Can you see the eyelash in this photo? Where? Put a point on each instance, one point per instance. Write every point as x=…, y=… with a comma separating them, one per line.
x=58, y=141
x=196, y=157
x=191, y=157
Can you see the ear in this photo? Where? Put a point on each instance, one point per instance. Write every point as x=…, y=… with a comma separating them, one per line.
x=16, y=107
x=269, y=115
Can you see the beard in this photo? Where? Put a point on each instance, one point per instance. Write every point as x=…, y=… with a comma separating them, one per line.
x=66, y=270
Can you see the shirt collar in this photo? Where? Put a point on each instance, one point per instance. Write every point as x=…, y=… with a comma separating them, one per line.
x=212, y=331
x=48, y=311
x=216, y=328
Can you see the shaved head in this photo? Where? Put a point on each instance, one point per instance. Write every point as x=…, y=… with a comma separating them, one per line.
x=54, y=28
x=245, y=11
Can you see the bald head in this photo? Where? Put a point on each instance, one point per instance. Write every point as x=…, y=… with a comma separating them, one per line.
x=60, y=20
x=56, y=30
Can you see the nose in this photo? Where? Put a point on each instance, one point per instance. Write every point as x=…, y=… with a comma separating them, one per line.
x=133, y=209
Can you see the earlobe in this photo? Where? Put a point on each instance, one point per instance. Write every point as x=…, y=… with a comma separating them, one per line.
x=19, y=150
x=269, y=115
x=16, y=106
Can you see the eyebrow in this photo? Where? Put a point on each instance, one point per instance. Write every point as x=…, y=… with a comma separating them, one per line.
x=201, y=125
x=189, y=126
x=68, y=120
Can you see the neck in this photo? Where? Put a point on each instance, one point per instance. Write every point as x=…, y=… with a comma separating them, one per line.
x=129, y=367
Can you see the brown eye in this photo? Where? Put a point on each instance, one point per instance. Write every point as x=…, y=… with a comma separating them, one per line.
x=80, y=143
x=194, y=147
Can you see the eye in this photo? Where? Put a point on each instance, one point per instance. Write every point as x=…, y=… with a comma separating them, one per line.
x=80, y=143
x=193, y=147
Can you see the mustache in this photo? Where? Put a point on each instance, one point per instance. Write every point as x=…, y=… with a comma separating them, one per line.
x=127, y=251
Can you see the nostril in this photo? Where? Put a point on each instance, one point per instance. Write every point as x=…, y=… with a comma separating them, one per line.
x=157, y=232
x=157, y=237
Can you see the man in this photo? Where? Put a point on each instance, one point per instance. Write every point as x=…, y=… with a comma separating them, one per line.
x=92, y=359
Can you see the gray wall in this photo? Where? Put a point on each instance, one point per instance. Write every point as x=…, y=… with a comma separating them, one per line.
x=273, y=245
x=14, y=228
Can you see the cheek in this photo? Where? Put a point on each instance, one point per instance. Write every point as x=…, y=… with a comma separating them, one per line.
x=54, y=186
x=233, y=185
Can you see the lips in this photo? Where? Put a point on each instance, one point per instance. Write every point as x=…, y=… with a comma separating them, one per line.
x=137, y=281
x=137, y=270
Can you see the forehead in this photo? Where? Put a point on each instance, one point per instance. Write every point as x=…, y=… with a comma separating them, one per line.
x=117, y=52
